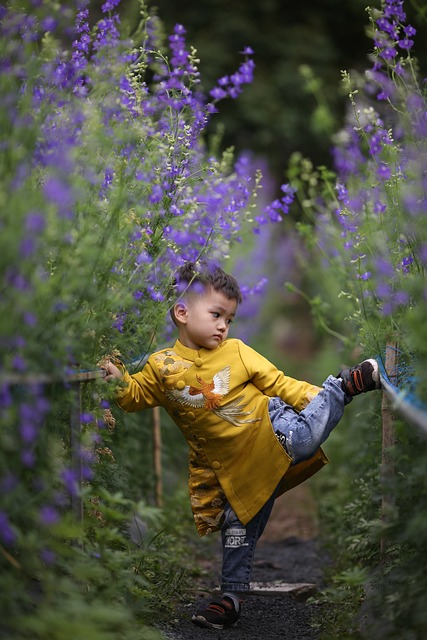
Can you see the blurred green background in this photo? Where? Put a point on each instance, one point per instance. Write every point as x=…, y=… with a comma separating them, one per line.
x=276, y=115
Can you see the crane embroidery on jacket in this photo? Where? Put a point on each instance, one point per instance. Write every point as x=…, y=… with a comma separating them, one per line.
x=208, y=395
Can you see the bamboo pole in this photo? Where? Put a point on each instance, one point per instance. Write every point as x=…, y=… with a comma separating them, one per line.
x=157, y=457
x=43, y=378
x=388, y=442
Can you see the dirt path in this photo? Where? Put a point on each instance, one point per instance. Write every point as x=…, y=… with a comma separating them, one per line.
x=288, y=552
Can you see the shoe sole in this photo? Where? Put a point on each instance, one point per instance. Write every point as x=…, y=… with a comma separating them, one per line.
x=375, y=373
x=202, y=622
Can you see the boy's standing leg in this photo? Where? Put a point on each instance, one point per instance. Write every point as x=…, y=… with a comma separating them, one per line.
x=238, y=548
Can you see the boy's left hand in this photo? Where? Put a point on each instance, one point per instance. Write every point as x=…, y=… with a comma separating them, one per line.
x=113, y=373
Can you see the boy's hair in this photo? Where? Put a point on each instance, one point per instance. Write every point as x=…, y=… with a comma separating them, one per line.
x=197, y=278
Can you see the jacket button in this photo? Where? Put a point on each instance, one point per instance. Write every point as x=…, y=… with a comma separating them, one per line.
x=191, y=415
x=216, y=464
x=180, y=385
x=198, y=362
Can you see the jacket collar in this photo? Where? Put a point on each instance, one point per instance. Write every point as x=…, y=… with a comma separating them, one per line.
x=192, y=354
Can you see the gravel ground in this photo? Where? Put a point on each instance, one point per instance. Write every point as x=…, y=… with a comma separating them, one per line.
x=280, y=557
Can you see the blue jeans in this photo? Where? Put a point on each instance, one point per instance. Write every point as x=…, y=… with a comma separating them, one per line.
x=301, y=434
x=238, y=546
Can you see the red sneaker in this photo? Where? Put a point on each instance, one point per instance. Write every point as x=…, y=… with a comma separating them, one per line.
x=217, y=615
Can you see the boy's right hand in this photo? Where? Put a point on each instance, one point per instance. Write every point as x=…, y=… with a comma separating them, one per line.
x=113, y=373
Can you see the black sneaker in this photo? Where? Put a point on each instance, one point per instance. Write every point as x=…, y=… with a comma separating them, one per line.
x=361, y=378
x=219, y=614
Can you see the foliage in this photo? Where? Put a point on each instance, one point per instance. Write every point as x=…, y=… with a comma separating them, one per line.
x=278, y=114
x=107, y=185
x=368, y=216
x=366, y=231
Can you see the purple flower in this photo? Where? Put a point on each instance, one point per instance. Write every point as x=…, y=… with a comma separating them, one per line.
x=394, y=9
x=155, y=295
x=156, y=194
x=28, y=432
x=401, y=298
x=5, y=396
x=406, y=43
x=107, y=34
x=48, y=515
x=30, y=319
x=48, y=556
x=87, y=473
x=110, y=5
x=379, y=207
x=176, y=211
x=388, y=53
x=289, y=192
x=28, y=458
x=108, y=179
x=217, y=93
x=423, y=254
x=60, y=194
x=143, y=258
x=406, y=263
x=387, y=27
x=383, y=171
x=35, y=222
x=69, y=478
x=7, y=534
x=19, y=363
x=385, y=268
x=49, y=23
x=119, y=322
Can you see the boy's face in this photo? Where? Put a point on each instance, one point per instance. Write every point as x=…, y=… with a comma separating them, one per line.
x=204, y=320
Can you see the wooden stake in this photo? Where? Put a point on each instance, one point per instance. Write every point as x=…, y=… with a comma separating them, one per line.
x=388, y=442
x=157, y=457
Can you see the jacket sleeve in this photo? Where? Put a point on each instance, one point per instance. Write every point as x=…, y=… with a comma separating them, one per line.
x=141, y=390
x=273, y=382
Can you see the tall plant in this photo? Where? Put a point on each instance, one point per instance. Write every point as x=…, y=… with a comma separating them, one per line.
x=369, y=214
x=107, y=185
x=368, y=231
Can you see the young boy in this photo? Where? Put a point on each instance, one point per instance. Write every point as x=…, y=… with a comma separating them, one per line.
x=252, y=431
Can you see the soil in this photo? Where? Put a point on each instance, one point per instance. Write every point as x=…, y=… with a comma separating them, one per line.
x=288, y=552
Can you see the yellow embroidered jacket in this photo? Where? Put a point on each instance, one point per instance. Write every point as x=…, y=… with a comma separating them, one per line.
x=219, y=399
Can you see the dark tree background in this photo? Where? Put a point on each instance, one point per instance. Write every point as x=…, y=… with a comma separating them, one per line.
x=274, y=116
